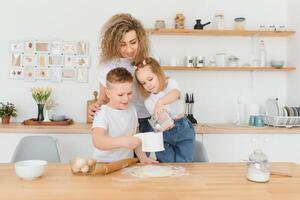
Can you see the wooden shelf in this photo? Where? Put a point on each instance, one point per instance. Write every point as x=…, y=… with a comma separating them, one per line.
x=220, y=32
x=183, y=68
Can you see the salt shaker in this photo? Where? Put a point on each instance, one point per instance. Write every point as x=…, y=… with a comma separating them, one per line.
x=258, y=167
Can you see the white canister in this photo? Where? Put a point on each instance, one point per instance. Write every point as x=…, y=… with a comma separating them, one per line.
x=190, y=61
x=200, y=61
x=173, y=61
x=220, y=59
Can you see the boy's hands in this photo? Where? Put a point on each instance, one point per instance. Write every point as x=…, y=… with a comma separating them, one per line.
x=131, y=142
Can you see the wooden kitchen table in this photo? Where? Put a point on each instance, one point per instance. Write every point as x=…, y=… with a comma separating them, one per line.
x=206, y=181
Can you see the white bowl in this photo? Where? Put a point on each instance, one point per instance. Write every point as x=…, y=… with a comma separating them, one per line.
x=58, y=117
x=30, y=169
x=277, y=63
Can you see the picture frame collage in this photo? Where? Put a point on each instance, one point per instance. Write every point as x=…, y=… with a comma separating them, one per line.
x=53, y=60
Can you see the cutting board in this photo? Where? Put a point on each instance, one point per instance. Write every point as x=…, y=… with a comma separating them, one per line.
x=88, y=103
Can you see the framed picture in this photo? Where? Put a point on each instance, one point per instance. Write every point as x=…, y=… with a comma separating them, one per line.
x=68, y=74
x=82, y=74
x=15, y=59
x=56, y=47
x=69, y=47
x=82, y=48
x=55, y=74
x=42, y=60
x=29, y=73
x=82, y=61
x=16, y=73
x=42, y=46
x=28, y=60
x=16, y=46
x=42, y=74
x=55, y=60
x=29, y=46
x=68, y=61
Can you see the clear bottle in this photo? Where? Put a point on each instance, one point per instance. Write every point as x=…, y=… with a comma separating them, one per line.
x=262, y=54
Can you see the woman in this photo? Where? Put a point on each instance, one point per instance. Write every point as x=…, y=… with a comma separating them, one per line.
x=123, y=41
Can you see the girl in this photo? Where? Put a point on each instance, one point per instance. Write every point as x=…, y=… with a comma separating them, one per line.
x=161, y=94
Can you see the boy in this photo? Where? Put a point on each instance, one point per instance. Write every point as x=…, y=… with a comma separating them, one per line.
x=116, y=122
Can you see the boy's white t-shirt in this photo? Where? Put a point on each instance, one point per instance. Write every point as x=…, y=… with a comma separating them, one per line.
x=116, y=123
x=174, y=108
x=125, y=63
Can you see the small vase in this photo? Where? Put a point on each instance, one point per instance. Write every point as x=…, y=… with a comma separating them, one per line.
x=40, y=116
x=5, y=119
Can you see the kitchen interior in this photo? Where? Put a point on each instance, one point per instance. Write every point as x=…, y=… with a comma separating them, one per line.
x=236, y=63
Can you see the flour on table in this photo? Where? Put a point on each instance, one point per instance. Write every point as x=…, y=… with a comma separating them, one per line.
x=155, y=171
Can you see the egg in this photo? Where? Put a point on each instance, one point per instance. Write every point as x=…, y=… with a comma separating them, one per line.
x=79, y=162
x=84, y=169
x=91, y=162
x=75, y=169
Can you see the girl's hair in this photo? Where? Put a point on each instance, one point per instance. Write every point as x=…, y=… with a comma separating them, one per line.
x=118, y=75
x=156, y=69
x=114, y=30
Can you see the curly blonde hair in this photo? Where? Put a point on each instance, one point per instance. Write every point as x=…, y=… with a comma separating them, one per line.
x=114, y=30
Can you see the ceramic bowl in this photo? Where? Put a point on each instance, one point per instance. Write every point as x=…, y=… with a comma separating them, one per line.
x=277, y=63
x=30, y=169
x=58, y=117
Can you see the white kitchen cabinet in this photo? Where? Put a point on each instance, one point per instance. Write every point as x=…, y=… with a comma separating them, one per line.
x=238, y=147
x=69, y=145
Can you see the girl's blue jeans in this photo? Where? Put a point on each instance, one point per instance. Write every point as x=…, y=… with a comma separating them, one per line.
x=179, y=143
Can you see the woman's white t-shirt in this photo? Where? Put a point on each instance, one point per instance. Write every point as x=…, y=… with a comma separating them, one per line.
x=125, y=63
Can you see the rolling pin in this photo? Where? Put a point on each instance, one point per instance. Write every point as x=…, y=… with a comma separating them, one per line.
x=114, y=166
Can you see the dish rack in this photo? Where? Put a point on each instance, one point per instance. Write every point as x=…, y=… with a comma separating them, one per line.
x=281, y=121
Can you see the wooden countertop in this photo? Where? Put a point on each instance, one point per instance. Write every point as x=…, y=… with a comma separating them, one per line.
x=206, y=181
x=83, y=128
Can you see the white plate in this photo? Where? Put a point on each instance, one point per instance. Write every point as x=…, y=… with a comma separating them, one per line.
x=272, y=107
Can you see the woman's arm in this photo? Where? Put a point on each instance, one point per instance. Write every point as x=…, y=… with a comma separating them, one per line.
x=103, y=141
x=102, y=99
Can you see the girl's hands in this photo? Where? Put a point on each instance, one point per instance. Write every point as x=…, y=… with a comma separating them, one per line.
x=158, y=109
x=147, y=160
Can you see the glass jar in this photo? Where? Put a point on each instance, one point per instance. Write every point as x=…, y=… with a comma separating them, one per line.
x=239, y=23
x=162, y=122
x=233, y=61
x=258, y=167
x=219, y=21
x=160, y=24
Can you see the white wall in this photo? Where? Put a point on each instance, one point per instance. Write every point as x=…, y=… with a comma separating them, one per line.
x=215, y=92
x=293, y=44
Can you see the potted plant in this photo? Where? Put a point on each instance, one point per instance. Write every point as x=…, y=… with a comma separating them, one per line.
x=6, y=111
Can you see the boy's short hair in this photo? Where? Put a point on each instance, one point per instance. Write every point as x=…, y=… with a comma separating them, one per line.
x=118, y=75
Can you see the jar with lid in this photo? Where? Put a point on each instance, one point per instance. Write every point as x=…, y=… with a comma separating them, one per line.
x=233, y=61
x=219, y=21
x=258, y=167
x=160, y=24
x=239, y=23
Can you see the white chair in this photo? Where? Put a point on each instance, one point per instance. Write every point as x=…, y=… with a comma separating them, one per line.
x=200, y=152
x=37, y=148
